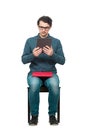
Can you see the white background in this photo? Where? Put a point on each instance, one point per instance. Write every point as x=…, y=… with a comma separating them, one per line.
x=18, y=21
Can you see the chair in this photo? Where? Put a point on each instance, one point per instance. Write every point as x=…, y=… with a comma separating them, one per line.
x=44, y=89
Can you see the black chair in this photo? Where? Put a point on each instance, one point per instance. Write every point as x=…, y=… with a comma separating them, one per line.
x=44, y=89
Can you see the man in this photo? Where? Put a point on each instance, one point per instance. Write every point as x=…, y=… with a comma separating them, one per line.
x=43, y=59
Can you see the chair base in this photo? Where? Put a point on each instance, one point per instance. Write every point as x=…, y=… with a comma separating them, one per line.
x=44, y=89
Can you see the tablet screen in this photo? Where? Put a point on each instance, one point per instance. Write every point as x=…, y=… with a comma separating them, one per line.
x=41, y=42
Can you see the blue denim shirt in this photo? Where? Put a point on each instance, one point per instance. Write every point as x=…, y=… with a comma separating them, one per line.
x=43, y=62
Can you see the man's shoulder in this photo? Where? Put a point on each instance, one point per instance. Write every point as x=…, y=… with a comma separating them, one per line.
x=55, y=39
x=32, y=38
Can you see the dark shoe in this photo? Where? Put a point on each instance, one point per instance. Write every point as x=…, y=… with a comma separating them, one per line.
x=53, y=120
x=34, y=120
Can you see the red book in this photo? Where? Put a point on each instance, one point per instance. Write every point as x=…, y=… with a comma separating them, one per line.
x=42, y=74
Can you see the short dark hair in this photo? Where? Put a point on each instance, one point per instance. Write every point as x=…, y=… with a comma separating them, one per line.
x=45, y=19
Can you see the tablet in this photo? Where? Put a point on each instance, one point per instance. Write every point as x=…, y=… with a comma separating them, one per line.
x=42, y=42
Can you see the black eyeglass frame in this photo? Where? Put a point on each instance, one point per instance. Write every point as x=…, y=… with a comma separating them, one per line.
x=46, y=28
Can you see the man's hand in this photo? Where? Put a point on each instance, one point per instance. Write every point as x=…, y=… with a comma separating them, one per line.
x=37, y=51
x=48, y=50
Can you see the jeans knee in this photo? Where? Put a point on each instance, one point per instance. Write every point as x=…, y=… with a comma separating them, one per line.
x=34, y=83
x=53, y=85
x=55, y=89
x=34, y=86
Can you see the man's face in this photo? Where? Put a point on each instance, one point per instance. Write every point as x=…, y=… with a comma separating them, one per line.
x=43, y=28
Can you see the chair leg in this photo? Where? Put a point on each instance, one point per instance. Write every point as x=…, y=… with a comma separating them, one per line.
x=28, y=107
x=58, y=112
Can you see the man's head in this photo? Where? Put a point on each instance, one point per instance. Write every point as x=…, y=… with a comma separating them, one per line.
x=44, y=24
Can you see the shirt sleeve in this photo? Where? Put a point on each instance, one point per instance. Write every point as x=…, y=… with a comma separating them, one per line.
x=27, y=56
x=58, y=56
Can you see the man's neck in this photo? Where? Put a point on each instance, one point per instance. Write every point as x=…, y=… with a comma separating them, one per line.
x=44, y=36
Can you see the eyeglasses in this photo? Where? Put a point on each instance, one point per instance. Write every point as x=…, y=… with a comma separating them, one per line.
x=46, y=28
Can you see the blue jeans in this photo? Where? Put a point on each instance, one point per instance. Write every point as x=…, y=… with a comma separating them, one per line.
x=52, y=84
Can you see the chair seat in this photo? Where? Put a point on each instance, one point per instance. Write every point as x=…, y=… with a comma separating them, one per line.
x=43, y=89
